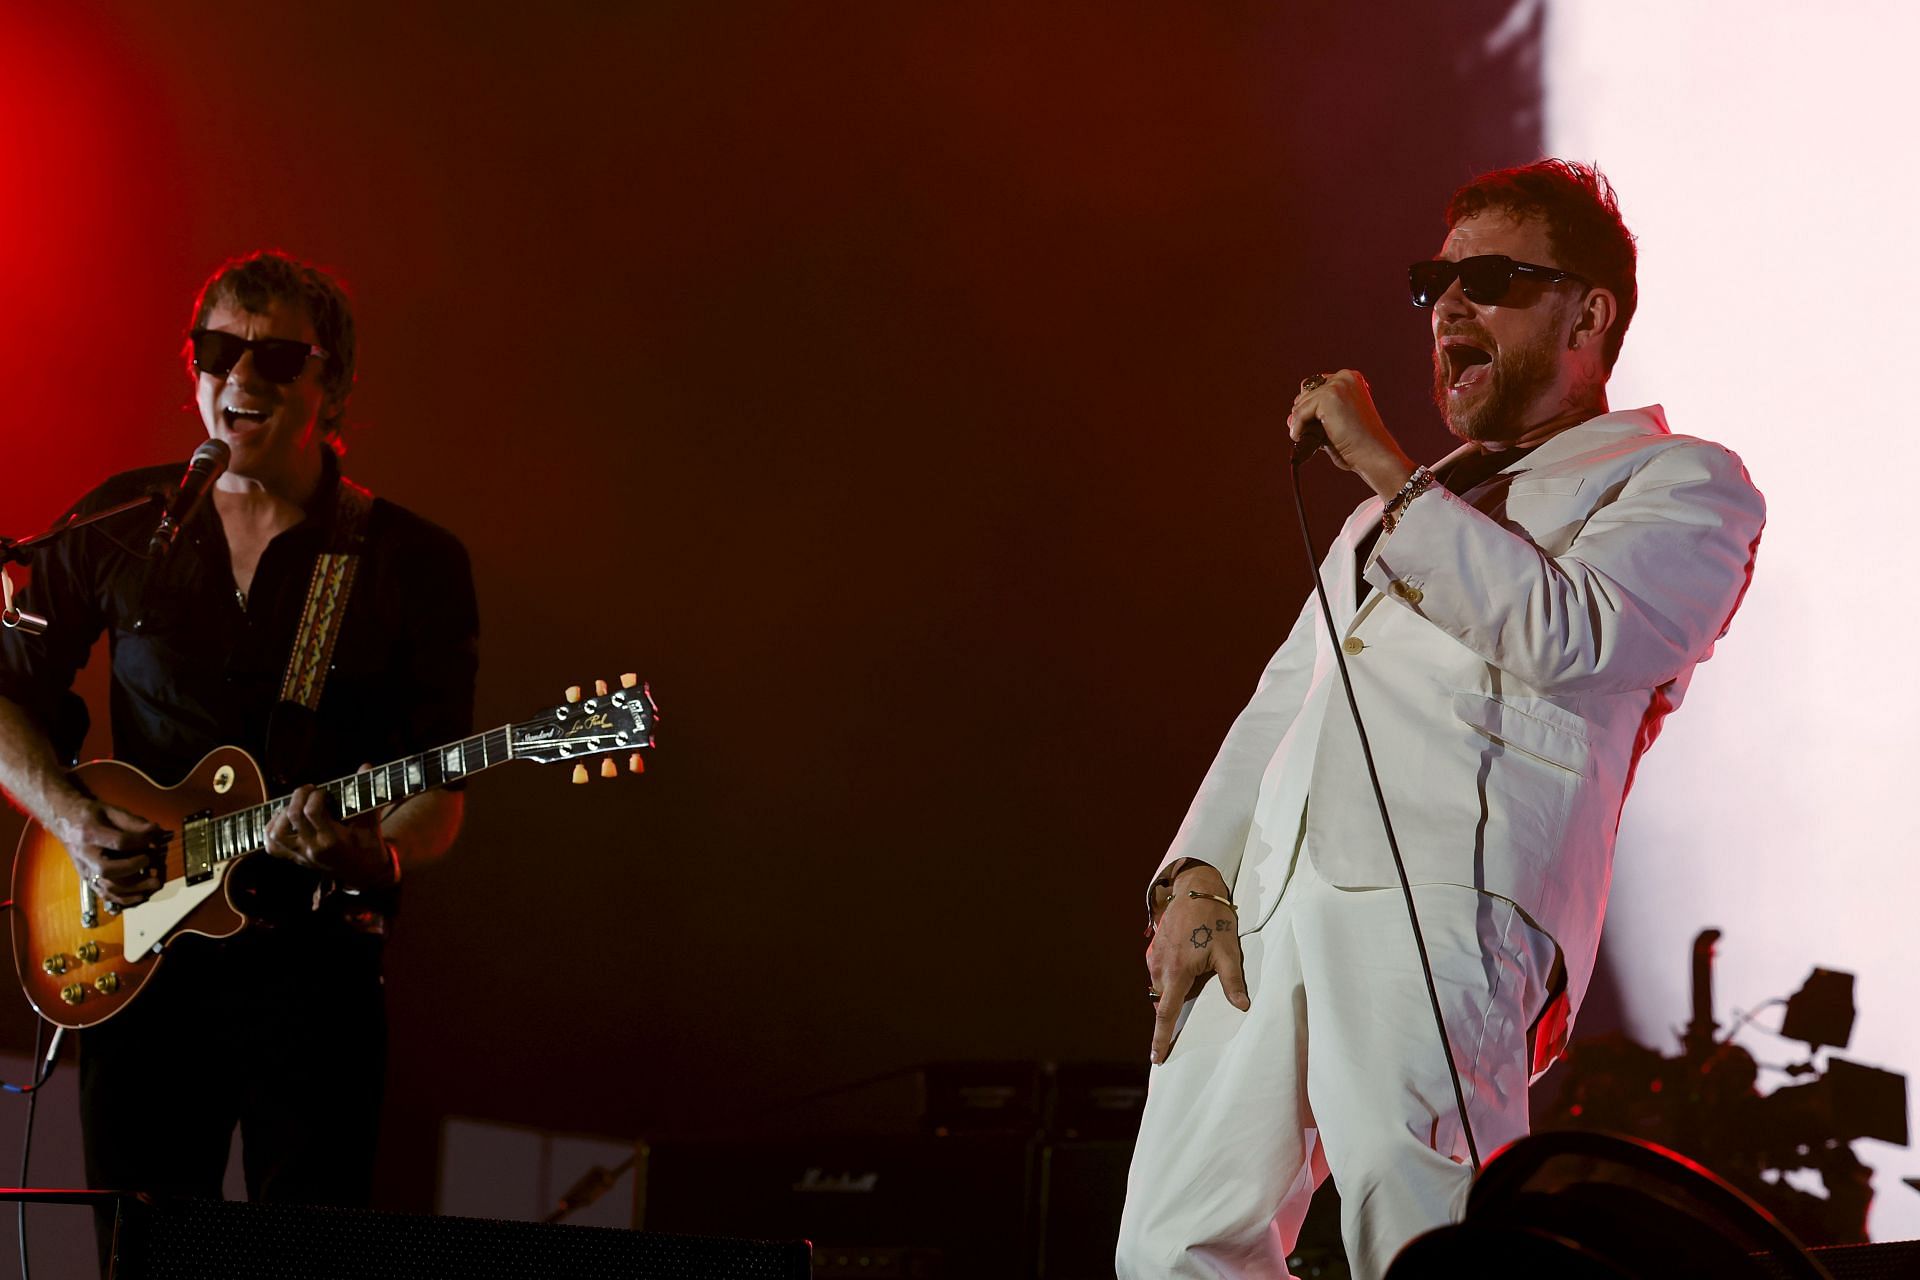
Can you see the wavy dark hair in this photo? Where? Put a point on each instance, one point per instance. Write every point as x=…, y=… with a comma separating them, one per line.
x=1582, y=216
x=254, y=282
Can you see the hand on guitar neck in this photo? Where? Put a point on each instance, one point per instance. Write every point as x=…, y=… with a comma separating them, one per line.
x=354, y=853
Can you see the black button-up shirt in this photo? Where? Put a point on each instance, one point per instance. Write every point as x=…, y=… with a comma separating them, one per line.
x=195, y=667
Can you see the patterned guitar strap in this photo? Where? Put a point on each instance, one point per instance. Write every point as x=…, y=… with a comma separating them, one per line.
x=290, y=734
x=274, y=891
x=327, y=596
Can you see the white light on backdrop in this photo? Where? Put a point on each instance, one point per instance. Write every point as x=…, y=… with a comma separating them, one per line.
x=1763, y=152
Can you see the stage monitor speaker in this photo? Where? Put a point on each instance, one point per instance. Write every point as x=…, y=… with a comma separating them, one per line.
x=229, y=1240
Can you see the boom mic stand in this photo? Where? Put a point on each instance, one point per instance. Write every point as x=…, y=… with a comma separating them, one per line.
x=14, y=551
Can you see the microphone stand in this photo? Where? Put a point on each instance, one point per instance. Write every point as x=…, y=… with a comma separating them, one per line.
x=18, y=551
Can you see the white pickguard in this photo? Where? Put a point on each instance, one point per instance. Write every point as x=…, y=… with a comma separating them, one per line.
x=159, y=915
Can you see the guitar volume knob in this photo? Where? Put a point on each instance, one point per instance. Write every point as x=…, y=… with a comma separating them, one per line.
x=107, y=983
x=56, y=963
x=73, y=993
x=88, y=951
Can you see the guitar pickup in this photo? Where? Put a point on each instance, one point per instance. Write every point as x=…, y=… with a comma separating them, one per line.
x=196, y=845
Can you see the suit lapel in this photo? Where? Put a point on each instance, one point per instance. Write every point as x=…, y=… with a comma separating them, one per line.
x=1343, y=593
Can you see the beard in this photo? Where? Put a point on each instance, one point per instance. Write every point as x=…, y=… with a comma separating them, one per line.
x=1498, y=410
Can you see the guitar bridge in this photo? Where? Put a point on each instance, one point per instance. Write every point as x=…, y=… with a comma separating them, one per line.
x=196, y=846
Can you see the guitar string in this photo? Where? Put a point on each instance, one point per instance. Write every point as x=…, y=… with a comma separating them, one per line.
x=244, y=830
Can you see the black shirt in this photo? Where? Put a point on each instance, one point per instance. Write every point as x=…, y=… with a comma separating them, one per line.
x=195, y=667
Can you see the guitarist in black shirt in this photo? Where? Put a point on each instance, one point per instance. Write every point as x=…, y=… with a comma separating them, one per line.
x=279, y=1030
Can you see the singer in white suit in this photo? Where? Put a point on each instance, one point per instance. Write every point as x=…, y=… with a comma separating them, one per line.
x=1517, y=623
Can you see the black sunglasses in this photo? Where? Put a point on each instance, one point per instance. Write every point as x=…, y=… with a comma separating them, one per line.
x=275, y=359
x=1484, y=279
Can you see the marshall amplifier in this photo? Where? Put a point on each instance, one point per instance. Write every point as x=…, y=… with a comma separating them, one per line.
x=926, y=1207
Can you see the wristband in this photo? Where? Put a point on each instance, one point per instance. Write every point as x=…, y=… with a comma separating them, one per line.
x=1418, y=483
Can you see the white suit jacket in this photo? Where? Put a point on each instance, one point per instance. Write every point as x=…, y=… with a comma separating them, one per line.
x=1518, y=653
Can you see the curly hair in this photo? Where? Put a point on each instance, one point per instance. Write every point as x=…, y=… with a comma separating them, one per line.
x=1582, y=216
x=255, y=281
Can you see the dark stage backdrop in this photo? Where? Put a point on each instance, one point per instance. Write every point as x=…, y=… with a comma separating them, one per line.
x=897, y=386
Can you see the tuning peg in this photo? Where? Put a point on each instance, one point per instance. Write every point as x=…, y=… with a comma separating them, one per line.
x=573, y=693
x=628, y=679
x=608, y=769
x=579, y=773
x=636, y=763
x=600, y=688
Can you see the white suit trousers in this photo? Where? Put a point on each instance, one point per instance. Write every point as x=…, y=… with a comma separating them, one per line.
x=1249, y=1111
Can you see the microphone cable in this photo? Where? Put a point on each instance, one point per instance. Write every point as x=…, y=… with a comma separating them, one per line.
x=1380, y=798
x=32, y=1092
x=45, y=1057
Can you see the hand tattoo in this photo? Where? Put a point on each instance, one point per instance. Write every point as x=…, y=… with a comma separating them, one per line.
x=1202, y=936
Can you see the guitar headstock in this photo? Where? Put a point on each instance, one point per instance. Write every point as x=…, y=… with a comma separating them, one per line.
x=600, y=723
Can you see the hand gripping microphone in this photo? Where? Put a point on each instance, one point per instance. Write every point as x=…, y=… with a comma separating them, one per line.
x=1313, y=437
x=208, y=461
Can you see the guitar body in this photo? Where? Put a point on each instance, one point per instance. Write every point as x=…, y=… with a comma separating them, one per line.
x=79, y=963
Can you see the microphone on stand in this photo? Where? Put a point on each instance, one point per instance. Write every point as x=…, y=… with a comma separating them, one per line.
x=208, y=462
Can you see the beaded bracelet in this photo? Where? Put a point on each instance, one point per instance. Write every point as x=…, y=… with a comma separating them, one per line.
x=1418, y=483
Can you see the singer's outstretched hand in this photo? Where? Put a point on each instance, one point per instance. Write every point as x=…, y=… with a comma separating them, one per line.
x=1193, y=939
x=1357, y=440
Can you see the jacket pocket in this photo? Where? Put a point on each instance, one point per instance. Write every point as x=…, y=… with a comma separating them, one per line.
x=1535, y=727
x=1560, y=486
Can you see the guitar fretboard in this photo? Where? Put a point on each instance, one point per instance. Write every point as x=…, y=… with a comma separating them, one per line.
x=244, y=831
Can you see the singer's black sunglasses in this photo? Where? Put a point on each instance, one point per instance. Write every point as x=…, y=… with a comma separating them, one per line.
x=275, y=359
x=1484, y=279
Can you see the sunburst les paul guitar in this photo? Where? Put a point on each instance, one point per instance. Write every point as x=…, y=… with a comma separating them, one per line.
x=81, y=961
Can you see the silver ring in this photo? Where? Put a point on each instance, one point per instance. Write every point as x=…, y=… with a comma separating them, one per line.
x=95, y=879
x=1153, y=995
x=1312, y=382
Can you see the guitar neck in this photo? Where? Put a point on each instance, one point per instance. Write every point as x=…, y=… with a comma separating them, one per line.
x=244, y=831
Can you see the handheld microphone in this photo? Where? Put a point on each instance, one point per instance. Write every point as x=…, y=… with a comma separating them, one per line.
x=1312, y=440
x=208, y=461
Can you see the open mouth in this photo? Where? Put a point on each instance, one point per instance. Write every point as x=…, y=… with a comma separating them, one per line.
x=251, y=417
x=1467, y=365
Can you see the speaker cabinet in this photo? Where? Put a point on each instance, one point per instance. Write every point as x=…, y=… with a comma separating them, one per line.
x=229, y=1240
x=952, y=1208
x=1083, y=1186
